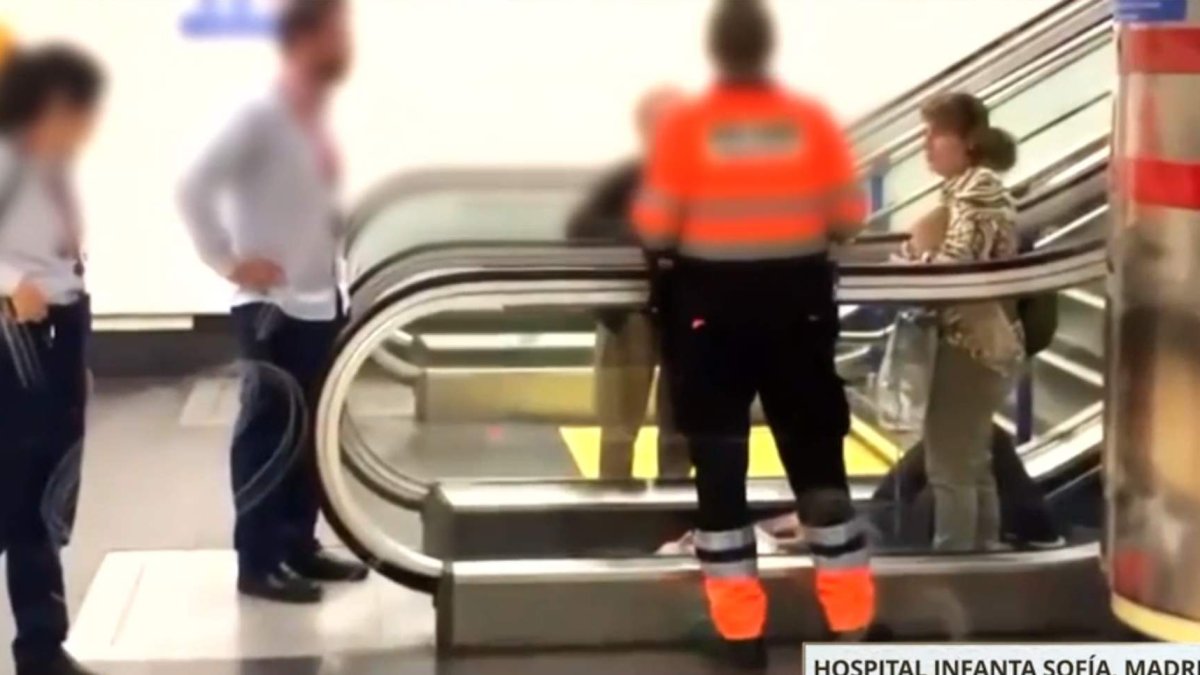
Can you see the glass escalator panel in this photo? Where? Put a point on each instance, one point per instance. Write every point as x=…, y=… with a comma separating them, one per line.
x=534, y=409
x=476, y=478
x=1005, y=59
x=1062, y=109
x=530, y=212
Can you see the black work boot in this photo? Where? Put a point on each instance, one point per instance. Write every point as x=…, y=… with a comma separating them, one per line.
x=60, y=664
x=282, y=585
x=873, y=633
x=749, y=655
x=743, y=655
x=322, y=565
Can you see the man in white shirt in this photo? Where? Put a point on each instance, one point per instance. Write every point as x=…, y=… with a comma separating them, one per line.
x=277, y=167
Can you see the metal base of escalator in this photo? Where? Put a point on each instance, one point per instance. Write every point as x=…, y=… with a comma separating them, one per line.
x=524, y=569
x=590, y=603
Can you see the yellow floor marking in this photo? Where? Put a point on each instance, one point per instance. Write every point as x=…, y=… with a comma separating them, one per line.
x=861, y=459
x=884, y=448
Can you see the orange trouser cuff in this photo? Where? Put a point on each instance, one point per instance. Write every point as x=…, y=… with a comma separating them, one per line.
x=848, y=597
x=738, y=607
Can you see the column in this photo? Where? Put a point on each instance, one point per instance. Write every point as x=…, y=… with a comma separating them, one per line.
x=1152, y=430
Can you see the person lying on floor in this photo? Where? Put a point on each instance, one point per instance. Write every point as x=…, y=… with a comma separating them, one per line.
x=1025, y=517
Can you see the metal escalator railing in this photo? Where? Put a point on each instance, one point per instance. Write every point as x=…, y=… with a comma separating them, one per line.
x=478, y=288
x=1025, y=44
x=1024, y=183
x=1044, y=213
x=1049, y=217
x=384, y=479
x=998, y=93
x=1055, y=209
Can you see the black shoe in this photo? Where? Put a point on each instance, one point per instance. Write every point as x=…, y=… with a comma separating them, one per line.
x=321, y=565
x=745, y=655
x=872, y=633
x=281, y=586
x=60, y=664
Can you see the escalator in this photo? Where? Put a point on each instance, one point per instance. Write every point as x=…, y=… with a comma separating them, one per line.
x=491, y=530
x=474, y=497
x=1048, y=82
x=505, y=380
x=516, y=558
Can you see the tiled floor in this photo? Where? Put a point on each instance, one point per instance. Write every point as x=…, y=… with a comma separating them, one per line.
x=150, y=579
x=155, y=479
x=180, y=606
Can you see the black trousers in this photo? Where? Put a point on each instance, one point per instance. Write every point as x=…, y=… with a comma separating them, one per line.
x=272, y=460
x=43, y=397
x=734, y=331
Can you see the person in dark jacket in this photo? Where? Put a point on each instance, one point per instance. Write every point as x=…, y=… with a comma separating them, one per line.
x=1025, y=517
x=626, y=341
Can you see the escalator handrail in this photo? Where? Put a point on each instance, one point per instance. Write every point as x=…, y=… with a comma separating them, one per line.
x=410, y=567
x=1031, y=228
x=874, y=282
x=1090, y=155
x=477, y=257
x=883, y=282
x=1025, y=185
x=373, y=471
x=1056, y=24
x=408, y=183
x=1028, y=187
x=629, y=255
x=909, y=143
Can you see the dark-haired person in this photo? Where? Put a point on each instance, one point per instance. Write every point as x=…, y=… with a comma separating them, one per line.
x=980, y=345
x=744, y=190
x=1026, y=521
x=275, y=163
x=49, y=100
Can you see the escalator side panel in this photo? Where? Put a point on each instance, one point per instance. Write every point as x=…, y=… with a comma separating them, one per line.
x=923, y=598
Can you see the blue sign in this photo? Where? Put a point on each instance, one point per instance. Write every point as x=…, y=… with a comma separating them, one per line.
x=1151, y=11
x=227, y=18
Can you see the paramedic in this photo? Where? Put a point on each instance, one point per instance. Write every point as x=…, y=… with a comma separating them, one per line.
x=744, y=190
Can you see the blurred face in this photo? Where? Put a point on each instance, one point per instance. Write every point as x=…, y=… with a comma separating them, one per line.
x=653, y=107
x=330, y=48
x=946, y=152
x=63, y=129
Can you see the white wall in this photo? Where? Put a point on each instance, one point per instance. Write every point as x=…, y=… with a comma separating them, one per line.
x=444, y=82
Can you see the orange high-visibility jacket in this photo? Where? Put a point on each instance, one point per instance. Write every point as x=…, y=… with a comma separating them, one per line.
x=8, y=43
x=748, y=171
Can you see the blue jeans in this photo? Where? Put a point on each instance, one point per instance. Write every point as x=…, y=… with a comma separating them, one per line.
x=43, y=396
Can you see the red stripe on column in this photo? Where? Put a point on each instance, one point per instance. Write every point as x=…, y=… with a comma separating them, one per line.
x=1160, y=50
x=1155, y=182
